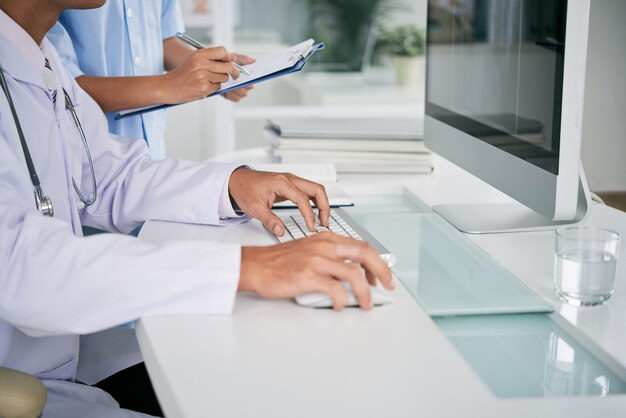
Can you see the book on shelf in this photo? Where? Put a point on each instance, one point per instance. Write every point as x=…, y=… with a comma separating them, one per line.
x=361, y=162
x=325, y=174
x=366, y=167
x=357, y=156
x=345, y=144
x=348, y=128
x=353, y=145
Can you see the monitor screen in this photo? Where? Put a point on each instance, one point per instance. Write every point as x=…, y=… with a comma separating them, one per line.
x=495, y=72
x=505, y=84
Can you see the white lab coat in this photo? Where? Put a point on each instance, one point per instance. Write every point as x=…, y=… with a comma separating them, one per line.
x=56, y=284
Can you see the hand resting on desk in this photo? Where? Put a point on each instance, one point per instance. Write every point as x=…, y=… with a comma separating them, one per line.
x=313, y=264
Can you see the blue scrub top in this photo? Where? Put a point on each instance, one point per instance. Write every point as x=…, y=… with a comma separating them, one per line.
x=121, y=38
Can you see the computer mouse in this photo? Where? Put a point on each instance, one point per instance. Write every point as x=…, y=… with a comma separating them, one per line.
x=380, y=296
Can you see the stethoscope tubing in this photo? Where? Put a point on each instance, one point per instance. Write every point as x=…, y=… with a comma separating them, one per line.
x=44, y=203
x=87, y=201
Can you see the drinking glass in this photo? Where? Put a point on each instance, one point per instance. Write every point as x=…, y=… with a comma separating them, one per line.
x=585, y=264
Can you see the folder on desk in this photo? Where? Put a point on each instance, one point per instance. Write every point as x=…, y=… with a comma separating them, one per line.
x=287, y=61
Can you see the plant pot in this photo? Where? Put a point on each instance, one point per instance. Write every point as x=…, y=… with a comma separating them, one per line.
x=409, y=70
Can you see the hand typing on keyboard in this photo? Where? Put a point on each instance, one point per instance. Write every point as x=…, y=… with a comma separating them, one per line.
x=256, y=191
x=311, y=264
x=297, y=228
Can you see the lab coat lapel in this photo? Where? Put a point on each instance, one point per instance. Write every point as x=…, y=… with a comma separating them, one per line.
x=13, y=59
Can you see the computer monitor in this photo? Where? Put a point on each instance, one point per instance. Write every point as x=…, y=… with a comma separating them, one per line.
x=504, y=101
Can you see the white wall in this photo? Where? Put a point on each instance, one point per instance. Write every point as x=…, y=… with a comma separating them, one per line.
x=187, y=130
x=604, y=129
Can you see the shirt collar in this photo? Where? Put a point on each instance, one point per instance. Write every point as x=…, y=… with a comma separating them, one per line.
x=20, y=56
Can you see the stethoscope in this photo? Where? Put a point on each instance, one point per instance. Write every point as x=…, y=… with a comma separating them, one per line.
x=43, y=202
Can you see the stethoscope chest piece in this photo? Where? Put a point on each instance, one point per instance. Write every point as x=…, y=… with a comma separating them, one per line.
x=44, y=203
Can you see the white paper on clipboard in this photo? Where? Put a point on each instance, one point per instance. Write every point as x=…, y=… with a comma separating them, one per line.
x=271, y=64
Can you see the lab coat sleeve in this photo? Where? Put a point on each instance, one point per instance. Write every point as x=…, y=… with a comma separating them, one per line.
x=53, y=282
x=61, y=40
x=132, y=188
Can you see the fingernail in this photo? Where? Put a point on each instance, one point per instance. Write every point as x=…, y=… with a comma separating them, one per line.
x=278, y=230
x=393, y=282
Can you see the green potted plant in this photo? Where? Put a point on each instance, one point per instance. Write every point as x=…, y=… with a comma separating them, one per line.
x=346, y=26
x=405, y=44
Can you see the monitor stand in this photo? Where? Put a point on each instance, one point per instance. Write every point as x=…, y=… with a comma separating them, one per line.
x=514, y=217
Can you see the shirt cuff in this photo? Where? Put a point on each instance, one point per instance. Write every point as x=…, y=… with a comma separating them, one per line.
x=228, y=207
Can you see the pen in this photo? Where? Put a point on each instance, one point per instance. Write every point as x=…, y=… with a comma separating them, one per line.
x=190, y=41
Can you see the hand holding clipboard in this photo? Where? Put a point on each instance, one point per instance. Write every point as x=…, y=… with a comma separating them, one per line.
x=287, y=61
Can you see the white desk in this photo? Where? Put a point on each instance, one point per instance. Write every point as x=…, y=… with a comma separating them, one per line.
x=276, y=359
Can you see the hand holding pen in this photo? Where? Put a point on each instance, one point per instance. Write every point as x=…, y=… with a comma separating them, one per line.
x=198, y=45
x=235, y=60
x=200, y=75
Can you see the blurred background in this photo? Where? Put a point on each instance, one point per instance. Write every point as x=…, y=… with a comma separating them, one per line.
x=351, y=77
x=367, y=71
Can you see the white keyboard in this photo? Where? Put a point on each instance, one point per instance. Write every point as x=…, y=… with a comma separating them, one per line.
x=339, y=222
x=296, y=227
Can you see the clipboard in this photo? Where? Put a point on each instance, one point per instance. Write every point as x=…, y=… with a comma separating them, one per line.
x=287, y=61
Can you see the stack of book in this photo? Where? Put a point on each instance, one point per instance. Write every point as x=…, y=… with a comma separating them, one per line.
x=352, y=145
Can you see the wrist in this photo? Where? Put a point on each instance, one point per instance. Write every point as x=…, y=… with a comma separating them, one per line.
x=160, y=89
x=234, y=185
x=245, y=271
x=236, y=208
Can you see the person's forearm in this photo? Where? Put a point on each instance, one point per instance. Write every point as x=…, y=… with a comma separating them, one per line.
x=120, y=93
x=192, y=75
x=175, y=52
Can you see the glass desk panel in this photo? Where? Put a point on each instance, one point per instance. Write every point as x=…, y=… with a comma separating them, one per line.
x=528, y=356
x=386, y=204
x=446, y=272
